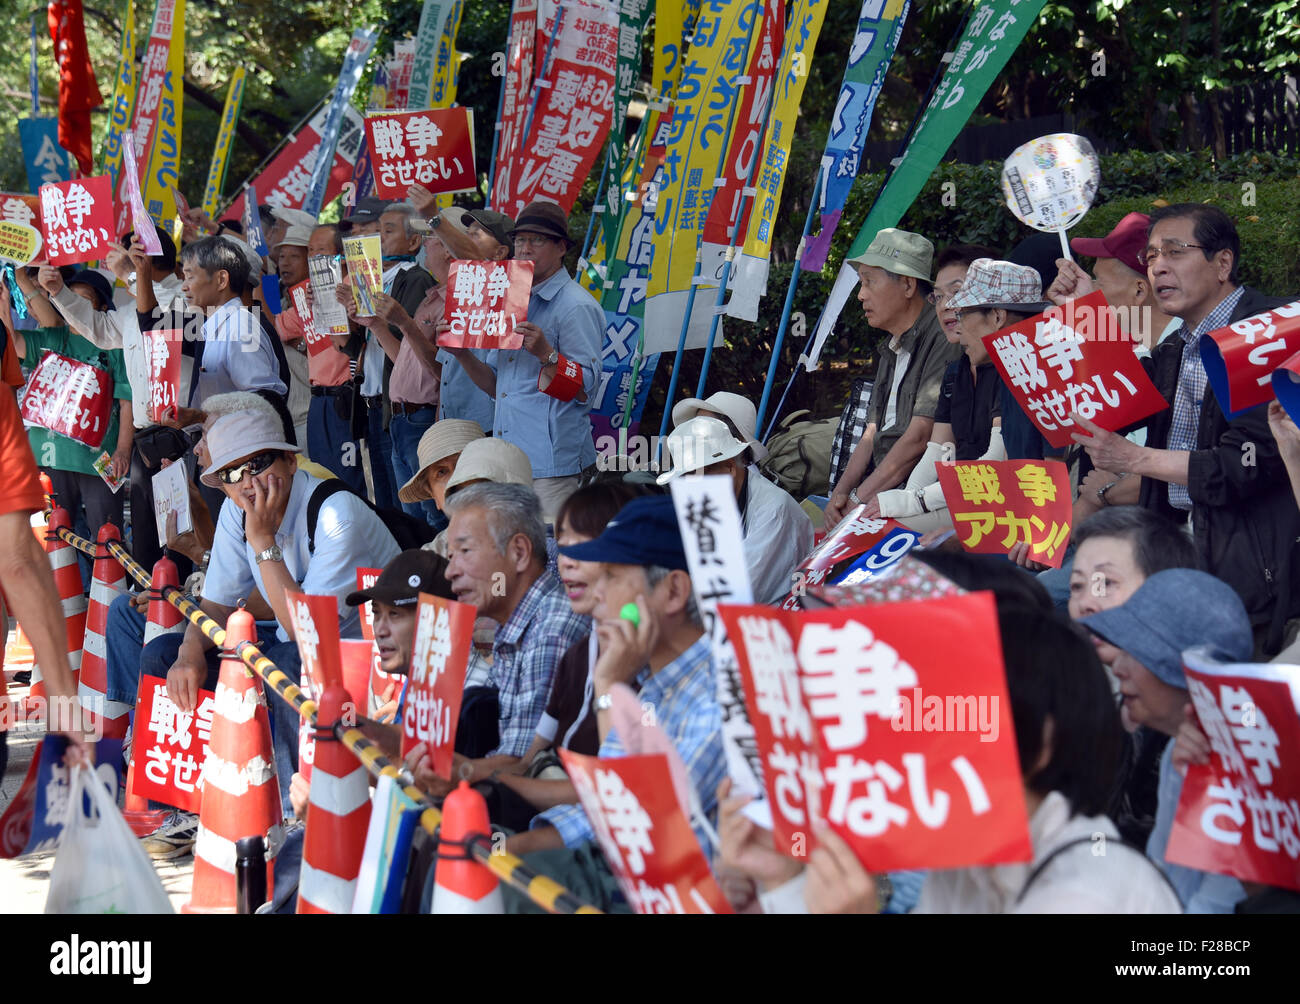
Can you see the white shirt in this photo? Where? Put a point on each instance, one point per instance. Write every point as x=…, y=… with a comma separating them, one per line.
x=900, y=370
x=777, y=535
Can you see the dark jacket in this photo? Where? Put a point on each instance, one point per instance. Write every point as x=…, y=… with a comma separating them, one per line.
x=1245, y=522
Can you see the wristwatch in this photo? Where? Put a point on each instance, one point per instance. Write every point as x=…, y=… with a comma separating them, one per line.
x=853, y=496
x=553, y=359
x=272, y=553
x=604, y=702
x=920, y=497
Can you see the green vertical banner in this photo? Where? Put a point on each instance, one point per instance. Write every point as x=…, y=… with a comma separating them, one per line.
x=995, y=29
x=433, y=20
x=119, y=115
x=225, y=138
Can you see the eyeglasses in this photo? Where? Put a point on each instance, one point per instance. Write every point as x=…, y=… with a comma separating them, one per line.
x=253, y=465
x=532, y=240
x=939, y=296
x=1171, y=249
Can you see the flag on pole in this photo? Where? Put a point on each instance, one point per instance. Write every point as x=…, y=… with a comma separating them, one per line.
x=994, y=31
x=354, y=61
x=119, y=115
x=225, y=138
x=516, y=86
x=428, y=36
x=149, y=91
x=78, y=89
x=164, y=169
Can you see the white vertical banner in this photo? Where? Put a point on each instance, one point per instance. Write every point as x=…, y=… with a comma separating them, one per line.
x=711, y=533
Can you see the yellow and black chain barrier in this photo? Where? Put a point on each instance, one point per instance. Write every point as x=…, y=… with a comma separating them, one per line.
x=509, y=868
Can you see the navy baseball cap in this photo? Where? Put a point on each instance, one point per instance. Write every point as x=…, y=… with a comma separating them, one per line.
x=1174, y=610
x=645, y=532
x=101, y=287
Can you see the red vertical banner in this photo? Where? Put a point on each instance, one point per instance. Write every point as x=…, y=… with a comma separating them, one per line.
x=164, y=354
x=644, y=834
x=486, y=302
x=149, y=90
x=1239, y=814
x=515, y=97
x=77, y=220
x=444, y=633
x=573, y=115
x=996, y=505
x=78, y=89
x=169, y=747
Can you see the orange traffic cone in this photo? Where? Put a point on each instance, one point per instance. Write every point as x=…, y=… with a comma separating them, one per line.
x=67, y=577
x=106, y=585
x=338, y=816
x=47, y=489
x=462, y=885
x=241, y=795
x=163, y=619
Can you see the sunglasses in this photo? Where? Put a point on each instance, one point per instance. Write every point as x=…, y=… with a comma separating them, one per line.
x=253, y=465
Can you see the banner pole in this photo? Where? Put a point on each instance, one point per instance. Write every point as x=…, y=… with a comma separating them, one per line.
x=501, y=103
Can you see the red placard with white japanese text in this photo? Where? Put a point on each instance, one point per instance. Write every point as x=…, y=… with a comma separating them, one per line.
x=20, y=208
x=879, y=543
x=433, y=147
x=485, y=303
x=891, y=722
x=170, y=746
x=164, y=353
x=1240, y=813
x=77, y=220
x=644, y=834
x=315, y=622
x=996, y=504
x=317, y=341
x=1240, y=358
x=72, y=398
x=573, y=114
x=444, y=633
x=1074, y=358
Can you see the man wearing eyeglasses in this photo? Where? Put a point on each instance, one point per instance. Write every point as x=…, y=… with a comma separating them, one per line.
x=1224, y=475
x=263, y=542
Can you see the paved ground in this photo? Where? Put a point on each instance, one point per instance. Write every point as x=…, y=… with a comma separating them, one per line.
x=25, y=881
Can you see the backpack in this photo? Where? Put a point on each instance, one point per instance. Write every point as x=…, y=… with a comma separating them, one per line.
x=799, y=455
x=409, y=531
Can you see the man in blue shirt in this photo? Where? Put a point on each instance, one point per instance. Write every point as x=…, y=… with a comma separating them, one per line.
x=543, y=391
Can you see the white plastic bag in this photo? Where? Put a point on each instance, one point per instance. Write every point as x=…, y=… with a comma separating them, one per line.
x=100, y=866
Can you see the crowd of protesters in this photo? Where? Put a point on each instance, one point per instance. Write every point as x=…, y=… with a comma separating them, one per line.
x=472, y=474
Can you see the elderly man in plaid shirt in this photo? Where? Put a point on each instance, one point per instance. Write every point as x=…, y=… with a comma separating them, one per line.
x=496, y=551
x=666, y=654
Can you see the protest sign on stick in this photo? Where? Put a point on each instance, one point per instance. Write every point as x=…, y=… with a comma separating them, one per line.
x=444, y=634
x=486, y=302
x=996, y=505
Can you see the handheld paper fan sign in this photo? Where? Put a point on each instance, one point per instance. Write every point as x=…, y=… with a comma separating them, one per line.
x=1049, y=183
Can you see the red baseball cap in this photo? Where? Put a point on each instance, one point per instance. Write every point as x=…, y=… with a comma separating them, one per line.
x=1126, y=242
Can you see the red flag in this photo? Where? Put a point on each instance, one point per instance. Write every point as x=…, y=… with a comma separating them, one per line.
x=78, y=89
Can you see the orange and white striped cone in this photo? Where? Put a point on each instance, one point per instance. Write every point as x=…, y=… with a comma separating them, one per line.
x=338, y=816
x=461, y=884
x=163, y=619
x=72, y=596
x=47, y=489
x=107, y=583
x=241, y=794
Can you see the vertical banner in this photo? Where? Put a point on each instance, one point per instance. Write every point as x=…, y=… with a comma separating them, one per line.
x=225, y=138
x=433, y=20
x=572, y=117
x=446, y=79
x=516, y=87
x=685, y=181
x=149, y=91
x=994, y=31
x=354, y=61
x=119, y=115
x=879, y=26
x=78, y=89
x=164, y=158
x=46, y=161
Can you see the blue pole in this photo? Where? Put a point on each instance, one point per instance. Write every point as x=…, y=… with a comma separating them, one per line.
x=501, y=101
x=785, y=311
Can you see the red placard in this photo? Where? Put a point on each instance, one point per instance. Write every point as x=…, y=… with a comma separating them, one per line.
x=1074, y=358
x=1240, y=359
x=1240, y=813
x=433, y=147
x=169, y=747
x=380, y=682
x=164, y=353
x=485, y=303
x=444, y=633
x=998, y=504
x=317, y=341
x=878, y=541
x=77, y=220
x=72, y=398
x=20, y=208
x=643, y=832
x=892, y=723
x=315, y=623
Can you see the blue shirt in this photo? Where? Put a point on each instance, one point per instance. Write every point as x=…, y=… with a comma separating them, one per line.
x=461, y=397
x=348, y=535
x=1200, y=892
x=525, y=652
x=684, y=699
x=556, y=435
x=237, y=354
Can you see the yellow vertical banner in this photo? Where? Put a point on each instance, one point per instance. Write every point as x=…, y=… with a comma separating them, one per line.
x=165, y=155
x=225, y=139
x=119, y=112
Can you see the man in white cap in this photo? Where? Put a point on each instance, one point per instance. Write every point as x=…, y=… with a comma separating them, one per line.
x=263, y=542
x=440, y=449
x=777, y=533
x=895, y=274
